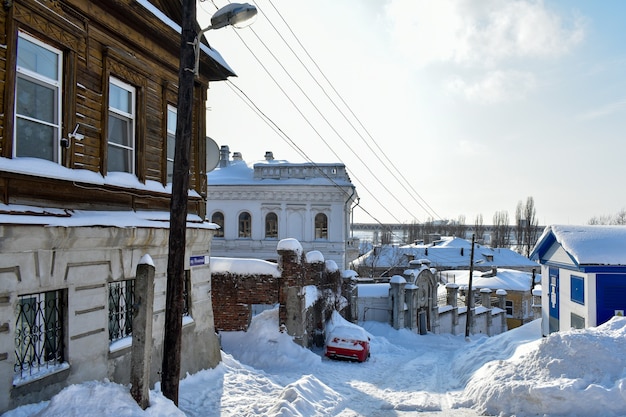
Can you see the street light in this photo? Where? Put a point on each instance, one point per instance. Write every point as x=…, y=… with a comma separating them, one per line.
x=232, y=14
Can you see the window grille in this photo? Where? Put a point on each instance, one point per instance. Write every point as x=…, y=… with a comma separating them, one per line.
x=186, y=294
x=121, y=301
x=39, y=333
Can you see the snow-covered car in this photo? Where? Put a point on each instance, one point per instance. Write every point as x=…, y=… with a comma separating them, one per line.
x=345, y=340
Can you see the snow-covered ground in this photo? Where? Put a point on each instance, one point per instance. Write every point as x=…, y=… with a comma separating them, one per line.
x=573, y=373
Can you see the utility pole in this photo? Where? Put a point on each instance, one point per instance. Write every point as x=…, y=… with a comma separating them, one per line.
x=170, y=375
x=470, y=293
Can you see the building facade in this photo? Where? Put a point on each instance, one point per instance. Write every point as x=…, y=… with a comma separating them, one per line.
x=584, y=275
x=88, y=91
x=259, y=204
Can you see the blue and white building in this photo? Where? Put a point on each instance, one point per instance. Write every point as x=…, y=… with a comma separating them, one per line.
x=584, y=275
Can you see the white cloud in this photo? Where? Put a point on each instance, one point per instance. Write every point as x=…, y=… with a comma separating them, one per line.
x=480, y=33
x=494, y=87
x=605, y=110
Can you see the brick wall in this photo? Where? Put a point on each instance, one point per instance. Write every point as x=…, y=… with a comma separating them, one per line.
x=234, y=295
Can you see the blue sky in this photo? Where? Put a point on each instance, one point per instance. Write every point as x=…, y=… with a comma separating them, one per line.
x=468, y=106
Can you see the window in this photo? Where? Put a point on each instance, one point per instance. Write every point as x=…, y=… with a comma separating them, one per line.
x=271, y=226
x=39, y=333
x=37, y=100
x=171, y=141
x=245, y=224
x=321, y=226
x=121, y=300
x=577, y=322
x=509, y=308
x=218, y=219
x=121, y=136
x=577, y=289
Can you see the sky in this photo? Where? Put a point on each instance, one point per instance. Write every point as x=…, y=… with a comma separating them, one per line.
x=438, y=109
x=263, y=372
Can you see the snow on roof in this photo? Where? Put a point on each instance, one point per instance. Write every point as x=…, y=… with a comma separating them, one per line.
x=238, y=172
x=169, y=22
x=588, y=245
x=505, y=279
x=244, y=266
x=449, y=253
x=373, y=290
x=19, y=214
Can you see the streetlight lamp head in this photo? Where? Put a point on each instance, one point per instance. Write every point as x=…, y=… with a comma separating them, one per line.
x=235, y=14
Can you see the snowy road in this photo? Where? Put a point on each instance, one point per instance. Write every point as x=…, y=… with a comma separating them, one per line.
x=265, y=373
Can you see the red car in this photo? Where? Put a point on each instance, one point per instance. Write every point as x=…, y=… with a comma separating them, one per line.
x=345, y=340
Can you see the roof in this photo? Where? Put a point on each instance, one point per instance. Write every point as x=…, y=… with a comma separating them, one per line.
x=504, y=279
x=585, y=245
x=168, y=12
x=287, y=173
x=449, y=253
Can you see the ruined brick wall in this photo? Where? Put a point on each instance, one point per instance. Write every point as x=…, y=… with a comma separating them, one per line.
x=234, y=295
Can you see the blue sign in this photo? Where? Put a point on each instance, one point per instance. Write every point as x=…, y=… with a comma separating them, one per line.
x=198, y=260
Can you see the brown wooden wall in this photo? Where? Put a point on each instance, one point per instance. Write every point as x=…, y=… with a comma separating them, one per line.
x=103, y=38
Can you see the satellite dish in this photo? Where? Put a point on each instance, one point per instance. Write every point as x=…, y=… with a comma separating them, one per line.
x=212, y=154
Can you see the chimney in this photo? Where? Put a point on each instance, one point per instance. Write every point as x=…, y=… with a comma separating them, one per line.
x=237, y=156
x=269, y=156
x=224, y=156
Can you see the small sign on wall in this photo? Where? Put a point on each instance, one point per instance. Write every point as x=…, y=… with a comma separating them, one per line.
x=198, y=260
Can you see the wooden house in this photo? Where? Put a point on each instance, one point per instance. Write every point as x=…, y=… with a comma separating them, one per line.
x=584, y=275
x=88, y=91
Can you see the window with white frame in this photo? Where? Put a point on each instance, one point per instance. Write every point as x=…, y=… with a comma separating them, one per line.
x=39, y=334
x=509, y=308
x=121, y=127
x=171, y=141
x=37, y=99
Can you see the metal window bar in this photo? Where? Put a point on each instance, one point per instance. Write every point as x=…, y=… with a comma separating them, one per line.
x=121, y=301
x=186, y=295
x=38, y=333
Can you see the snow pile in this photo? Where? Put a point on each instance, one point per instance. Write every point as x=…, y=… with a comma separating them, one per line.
x=571, y=373
x=265, y=347
x=98, y=399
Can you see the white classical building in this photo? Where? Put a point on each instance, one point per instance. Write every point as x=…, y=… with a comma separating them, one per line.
x=258, y=204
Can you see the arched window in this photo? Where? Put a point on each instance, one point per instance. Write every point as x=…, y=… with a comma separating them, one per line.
x=271, y=226
x=321, y=226
x=218, y=219
x=245, y=224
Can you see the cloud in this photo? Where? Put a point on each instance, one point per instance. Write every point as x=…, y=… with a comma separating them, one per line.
x=480, y=33
x=605, y=110
x=494, y=87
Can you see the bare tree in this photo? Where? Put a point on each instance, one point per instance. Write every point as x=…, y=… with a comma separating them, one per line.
x=617, y=219
x=501, y=230
x=479, y=228
x=460, y=228
x=532, y=230
x=526, y=228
